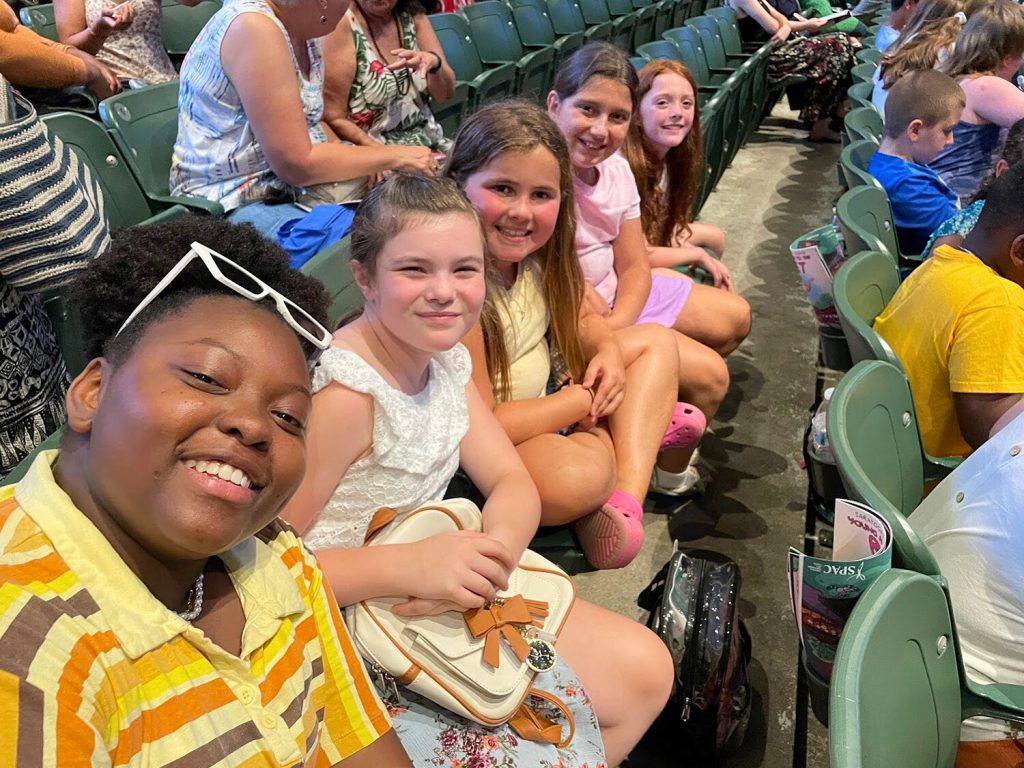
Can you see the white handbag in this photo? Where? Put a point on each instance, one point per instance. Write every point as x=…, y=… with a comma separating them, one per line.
x=479, y=664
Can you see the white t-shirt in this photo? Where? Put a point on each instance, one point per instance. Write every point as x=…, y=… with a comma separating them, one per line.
x=978, y=542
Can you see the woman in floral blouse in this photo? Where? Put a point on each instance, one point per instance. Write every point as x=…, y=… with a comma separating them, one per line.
x=383, y=60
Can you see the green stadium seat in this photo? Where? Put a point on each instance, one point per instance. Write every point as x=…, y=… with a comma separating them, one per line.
x=866, y=221
x=853, y=161
x=567, y=17
x=624, y=20
x=863, y=287
x=331, y=267
x=181, y=25
x=864, y=123
x=638, y=62
x=498, y=42
x=863, y=73
x=124, y=202
x=144, y=125
x=450, y=112
x=40, y=19
x=484, y=84
x=899, y=691
x=872, y=428
x=860, y=95
x=868, y=55
x=647, y=12
x=533, y=21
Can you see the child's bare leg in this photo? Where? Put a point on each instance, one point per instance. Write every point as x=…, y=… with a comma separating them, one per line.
x=703, y=382
x=625, y=669
x=574, y=475
x=716, y=318
x=637, y=426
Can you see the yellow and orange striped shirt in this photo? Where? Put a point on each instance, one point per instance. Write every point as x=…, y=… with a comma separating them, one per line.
x=95, y=671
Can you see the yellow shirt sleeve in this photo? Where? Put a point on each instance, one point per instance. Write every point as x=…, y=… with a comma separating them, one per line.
x=354, y=716
x=987, y=351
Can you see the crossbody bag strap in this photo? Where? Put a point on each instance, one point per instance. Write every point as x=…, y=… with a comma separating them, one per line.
x=533, y=726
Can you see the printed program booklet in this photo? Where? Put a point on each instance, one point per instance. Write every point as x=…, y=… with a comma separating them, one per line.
x=823, y=591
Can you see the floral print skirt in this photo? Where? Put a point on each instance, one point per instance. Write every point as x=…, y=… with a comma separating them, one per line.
x=826, y=61
x=435, y=738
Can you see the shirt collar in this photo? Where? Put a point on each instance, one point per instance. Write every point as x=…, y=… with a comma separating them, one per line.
x=141, y=622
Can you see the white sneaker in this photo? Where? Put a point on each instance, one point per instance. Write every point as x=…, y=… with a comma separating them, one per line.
x=682, y=483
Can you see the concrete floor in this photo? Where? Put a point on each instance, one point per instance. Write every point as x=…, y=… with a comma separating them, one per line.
x=777, y=188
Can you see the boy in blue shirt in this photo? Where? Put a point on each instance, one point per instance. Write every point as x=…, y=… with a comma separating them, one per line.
x=921, y=112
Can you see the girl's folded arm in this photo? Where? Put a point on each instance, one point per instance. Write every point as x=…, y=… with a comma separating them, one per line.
x=524, y=419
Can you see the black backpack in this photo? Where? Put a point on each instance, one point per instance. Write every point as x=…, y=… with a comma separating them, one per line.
x=692, y=602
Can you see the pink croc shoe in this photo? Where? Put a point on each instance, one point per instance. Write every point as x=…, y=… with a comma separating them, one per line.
x=685, y=428
x=611, y=536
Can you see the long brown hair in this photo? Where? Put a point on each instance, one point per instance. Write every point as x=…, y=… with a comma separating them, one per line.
x=664, y=213
x=990, y=35
x=933, y=26
x=521, y=126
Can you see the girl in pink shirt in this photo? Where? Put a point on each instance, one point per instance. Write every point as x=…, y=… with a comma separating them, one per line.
x=592, y=102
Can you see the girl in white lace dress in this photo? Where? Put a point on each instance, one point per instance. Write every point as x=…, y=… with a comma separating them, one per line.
x=394, y=415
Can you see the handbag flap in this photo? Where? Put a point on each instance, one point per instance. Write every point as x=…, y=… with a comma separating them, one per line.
x=445, y=640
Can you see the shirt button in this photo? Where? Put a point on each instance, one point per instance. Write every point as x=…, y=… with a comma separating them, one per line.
x=247, y=695
x=269, y=722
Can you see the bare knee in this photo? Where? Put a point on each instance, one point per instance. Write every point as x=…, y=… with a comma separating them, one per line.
x=740, y=321
x=654, y=672
x=705, y=382
x=573, y=480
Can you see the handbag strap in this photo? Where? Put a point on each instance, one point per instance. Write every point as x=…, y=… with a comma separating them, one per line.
x=533, y=726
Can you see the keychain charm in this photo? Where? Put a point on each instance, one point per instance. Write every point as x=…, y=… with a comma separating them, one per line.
x=542, y=655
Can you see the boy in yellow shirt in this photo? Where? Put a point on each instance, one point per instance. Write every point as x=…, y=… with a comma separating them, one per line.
x=957, y=325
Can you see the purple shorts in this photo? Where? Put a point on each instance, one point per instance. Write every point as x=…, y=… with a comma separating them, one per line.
x=667, y=298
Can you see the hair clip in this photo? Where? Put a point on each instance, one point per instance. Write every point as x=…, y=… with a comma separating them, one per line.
x=961, y=17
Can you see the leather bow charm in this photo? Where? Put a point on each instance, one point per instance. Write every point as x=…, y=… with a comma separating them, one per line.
x=497, y=619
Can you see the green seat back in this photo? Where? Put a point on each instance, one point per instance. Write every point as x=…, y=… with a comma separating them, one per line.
x=863, y=73
x=711, y=40
x=864, y=123
x=494, y=31
x=497, y=39
x=40, y=19
x=599, y=22
x=182, y=24
x=690, y=52
x=19, y=471
x=123, y=201
x=666, y=10
x=566, y=17
x=659, y=49
x=729, y=29
x=646, y=20
x=533, y=23
x=895, y=698
x=594, y=11
x=450, y=112
x=868, y=55
x=863, y=287
x=144, y=124
x=854, y=160
x=638, y=62
x=866, y=221
x=872, y=428
x=331, y=267
x=620, y=7
x=860, y=94
x=454, y=35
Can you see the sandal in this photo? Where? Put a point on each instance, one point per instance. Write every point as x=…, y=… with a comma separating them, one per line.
x=685, y=428
x=611, y=536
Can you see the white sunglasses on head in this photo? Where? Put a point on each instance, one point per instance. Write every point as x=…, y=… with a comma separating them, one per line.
x=251, y=287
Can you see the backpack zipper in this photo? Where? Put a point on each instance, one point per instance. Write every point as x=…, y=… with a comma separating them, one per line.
x=691, y=654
